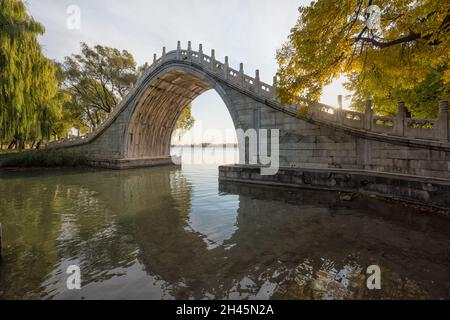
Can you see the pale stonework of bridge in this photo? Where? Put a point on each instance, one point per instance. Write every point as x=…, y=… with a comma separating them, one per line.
x=325, y=147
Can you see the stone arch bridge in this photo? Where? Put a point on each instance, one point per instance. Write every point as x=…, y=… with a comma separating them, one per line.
x=324, y=146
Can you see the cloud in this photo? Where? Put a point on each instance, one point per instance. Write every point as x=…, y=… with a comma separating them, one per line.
x=246, y=31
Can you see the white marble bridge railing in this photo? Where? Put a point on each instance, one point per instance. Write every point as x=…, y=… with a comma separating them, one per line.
x=222, y=70
x=400, y=126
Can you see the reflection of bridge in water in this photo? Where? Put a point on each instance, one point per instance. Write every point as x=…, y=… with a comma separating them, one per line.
x=285, y=244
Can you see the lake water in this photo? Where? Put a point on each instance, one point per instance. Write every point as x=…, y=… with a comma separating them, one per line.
x=176, y=233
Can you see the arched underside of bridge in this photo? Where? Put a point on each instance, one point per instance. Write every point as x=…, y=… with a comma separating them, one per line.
x=154, y=118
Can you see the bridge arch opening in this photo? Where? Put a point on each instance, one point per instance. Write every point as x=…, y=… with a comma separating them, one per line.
x=153, y=120
x=212, y=140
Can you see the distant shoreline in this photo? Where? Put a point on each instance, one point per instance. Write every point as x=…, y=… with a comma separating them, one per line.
x=207, y=145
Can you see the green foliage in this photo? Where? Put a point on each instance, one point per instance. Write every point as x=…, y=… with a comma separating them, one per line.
x=30, y=102
x=422, y=101
x=44, y=158
x=41, y=100
x=406, y=59
x=303, y=111
x=97, y=79
x=185, y=121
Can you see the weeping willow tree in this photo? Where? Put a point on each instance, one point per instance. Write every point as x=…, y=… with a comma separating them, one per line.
x=30, y=99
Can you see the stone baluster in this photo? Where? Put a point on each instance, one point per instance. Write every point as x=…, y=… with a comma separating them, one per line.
x=200, y=53
x=179, y=50
x=274, y=86
x=443, y=121
x=368, y=115
x=399, y=128
x=241, y=74
x=163, y=53
x=189, y=50
x=225, y=68
x=339, y=111
x=257, y=82
x=213, y=60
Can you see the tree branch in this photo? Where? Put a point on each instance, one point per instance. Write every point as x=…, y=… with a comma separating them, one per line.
x=381, y=45
x=411, y=37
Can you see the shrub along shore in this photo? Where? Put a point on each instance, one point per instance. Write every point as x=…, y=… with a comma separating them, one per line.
x=43, y=158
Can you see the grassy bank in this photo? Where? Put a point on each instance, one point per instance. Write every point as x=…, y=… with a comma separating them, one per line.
x=43, y=158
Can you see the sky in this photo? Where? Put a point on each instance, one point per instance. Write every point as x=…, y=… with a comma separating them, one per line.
x=248, y=31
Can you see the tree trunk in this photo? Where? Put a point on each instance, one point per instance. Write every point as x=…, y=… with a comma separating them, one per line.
x=91, y=119
x=98, y=122
x=21, y=144
x=12, y=144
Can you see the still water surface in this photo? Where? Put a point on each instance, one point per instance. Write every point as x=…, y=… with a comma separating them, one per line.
x=170, y=233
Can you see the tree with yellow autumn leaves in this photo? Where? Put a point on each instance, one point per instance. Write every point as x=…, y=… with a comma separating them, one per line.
x=405, y=56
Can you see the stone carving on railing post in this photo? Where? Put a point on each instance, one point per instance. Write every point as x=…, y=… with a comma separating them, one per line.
x=163, y=53
x=200, y=52
x=399, y=124
x=274, y=86
x=225, y=68
x=443, y=121
x=368, y=115
x=179, y=50
x=189, y=50
x=340, y=112
x=213, y=60
x=241, y=74
x=257, y=82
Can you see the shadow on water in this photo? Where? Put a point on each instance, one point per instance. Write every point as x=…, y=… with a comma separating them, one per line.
x=170, y=233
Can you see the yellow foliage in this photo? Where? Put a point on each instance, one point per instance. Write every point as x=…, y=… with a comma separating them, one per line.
x=406, y=58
